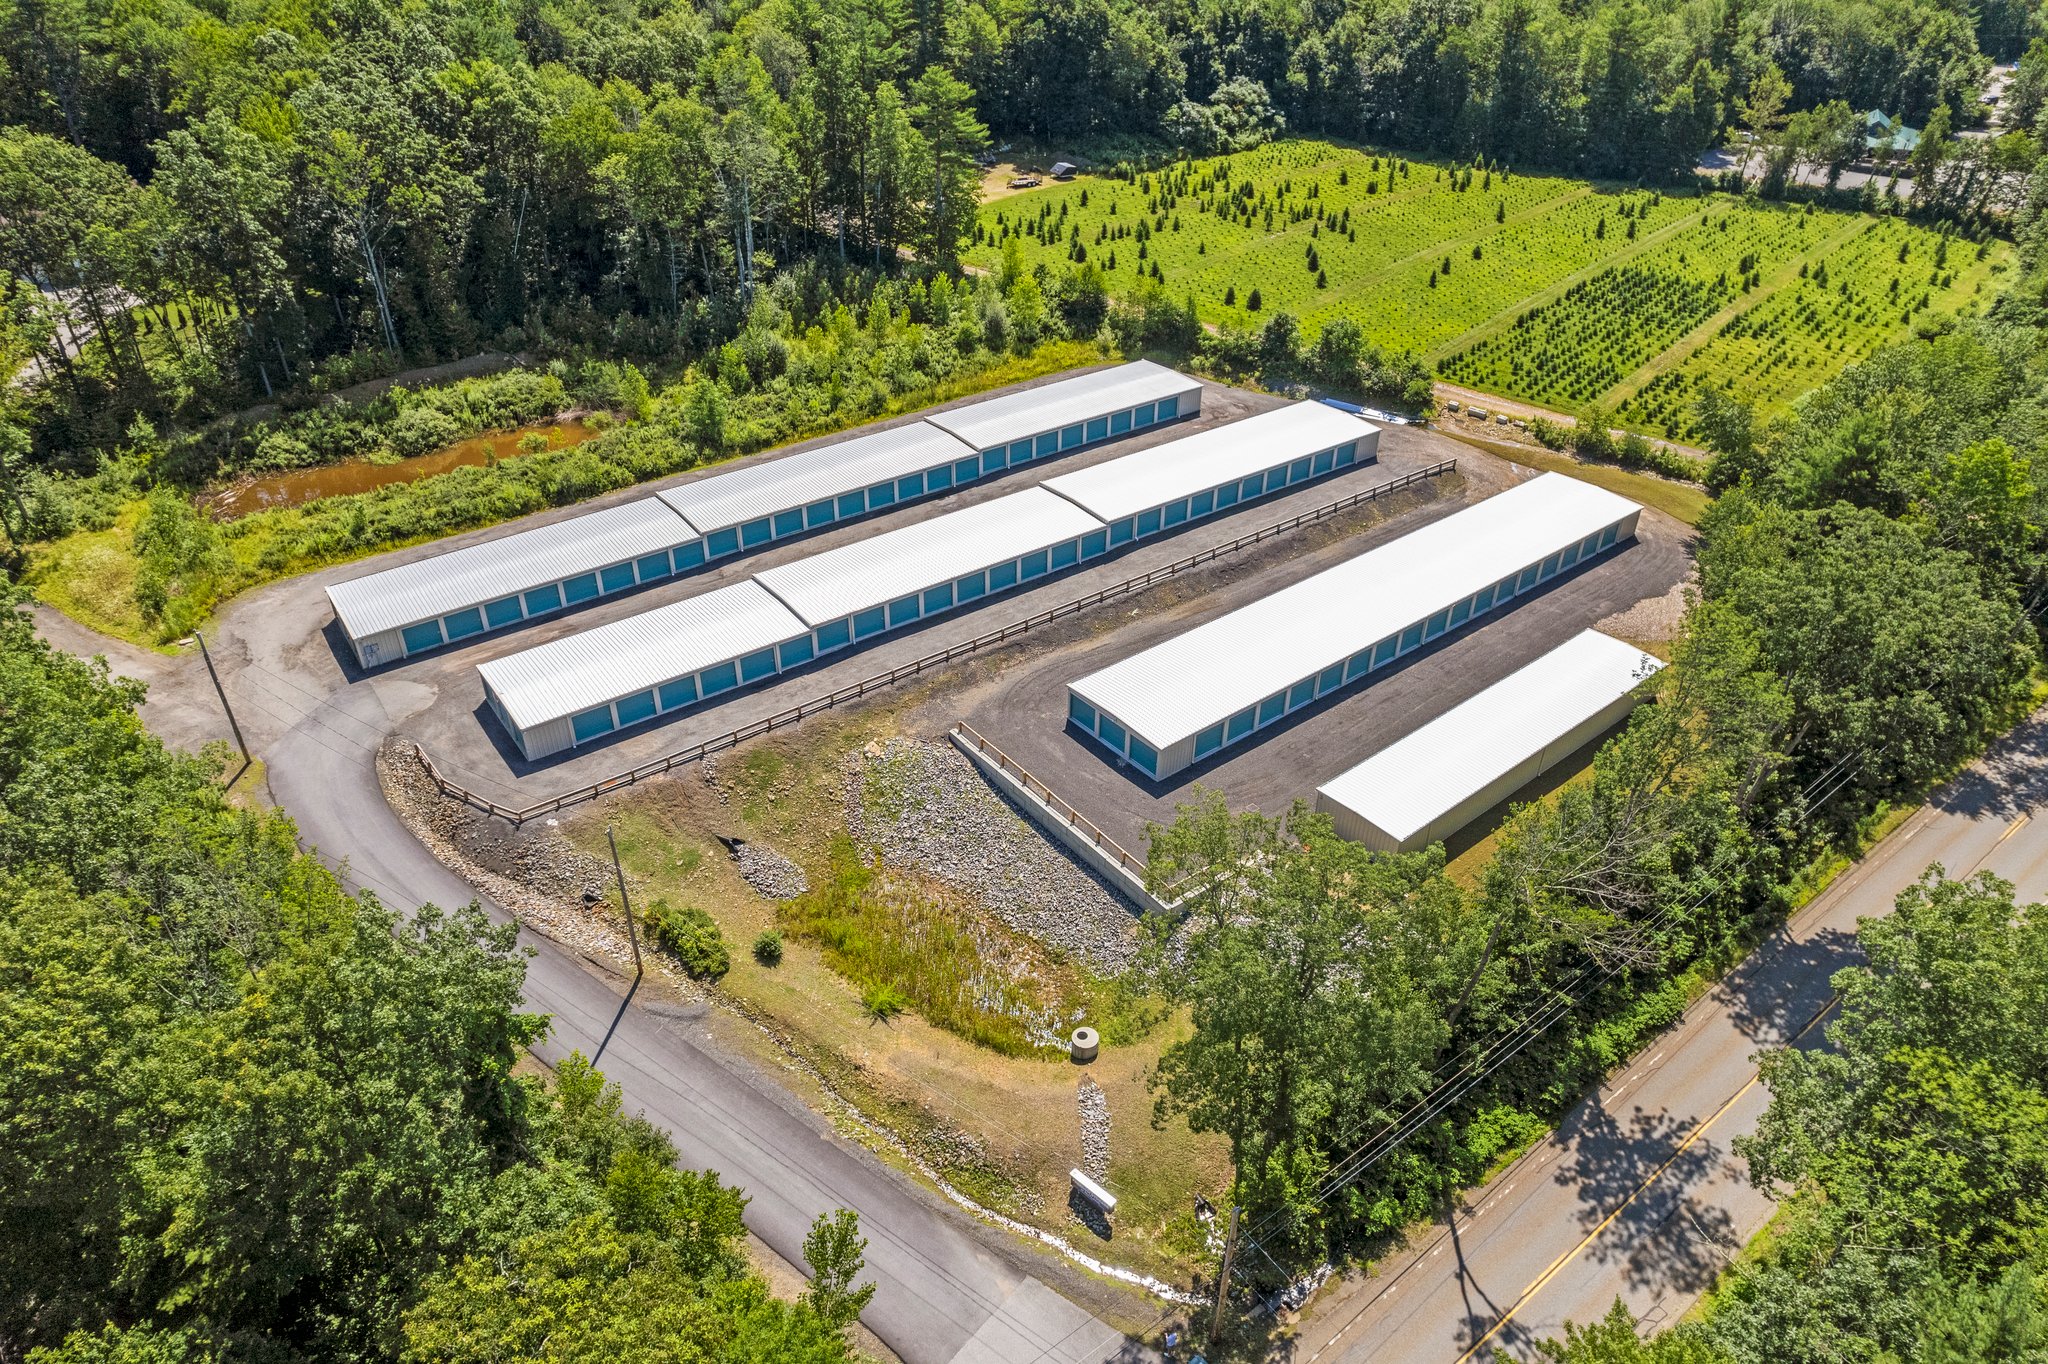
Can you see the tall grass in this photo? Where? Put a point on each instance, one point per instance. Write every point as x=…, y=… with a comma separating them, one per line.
x=884, y=932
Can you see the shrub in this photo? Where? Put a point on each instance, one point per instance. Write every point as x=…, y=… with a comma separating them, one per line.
x=690, y=936
x=768, y=947
x=421, y=429
x=881, y=1001
x=181, y=558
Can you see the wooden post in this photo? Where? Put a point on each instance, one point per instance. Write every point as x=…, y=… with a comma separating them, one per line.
x=1223, y=1277
x=639, y=967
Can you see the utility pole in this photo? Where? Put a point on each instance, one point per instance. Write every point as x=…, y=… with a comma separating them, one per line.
x=1223, y=1277
x=222, y=692
x=639, y=966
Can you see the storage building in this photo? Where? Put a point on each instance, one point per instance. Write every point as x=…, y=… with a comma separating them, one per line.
x=776, y=498
x=401, y=611
x=1426, y=787
x=860, y=590
x=572, y=690
x=581, y=687
x=1017, y=428
x=1163, y=486
x=1183, y=700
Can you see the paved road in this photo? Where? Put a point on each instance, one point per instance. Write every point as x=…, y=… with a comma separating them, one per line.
x=1638, y=1195
x=950, y=1290
x=948, y=1295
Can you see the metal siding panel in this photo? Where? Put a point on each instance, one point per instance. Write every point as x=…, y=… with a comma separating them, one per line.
x=545, y=740
x=1179, y=688
x=374, y=651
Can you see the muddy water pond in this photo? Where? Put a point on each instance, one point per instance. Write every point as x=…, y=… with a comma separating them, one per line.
x=268, y=492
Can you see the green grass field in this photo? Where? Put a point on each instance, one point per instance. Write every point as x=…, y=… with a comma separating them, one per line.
x=1554, y=291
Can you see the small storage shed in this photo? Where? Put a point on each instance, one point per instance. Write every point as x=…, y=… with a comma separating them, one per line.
x=1161, y=487
x=582, y=687
x=1202, y=690
x=857, y=591
x=1422, y=789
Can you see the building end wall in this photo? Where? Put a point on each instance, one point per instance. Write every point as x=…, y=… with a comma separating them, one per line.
x=377, y=651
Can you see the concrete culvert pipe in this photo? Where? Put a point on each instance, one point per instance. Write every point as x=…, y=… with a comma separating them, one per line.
x=1085, y=1044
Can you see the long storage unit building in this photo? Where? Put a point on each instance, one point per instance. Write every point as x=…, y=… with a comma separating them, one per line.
x=393, y=614
x=748, y=507
x=1157, y=489
x=1087, y=409
x=422, y=605
x=1426, y=787
x=859, y=590
x=1183, y=700
x=581, y=687
x=573, y=690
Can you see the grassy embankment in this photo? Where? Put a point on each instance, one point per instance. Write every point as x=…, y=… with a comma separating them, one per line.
x=964, y=1075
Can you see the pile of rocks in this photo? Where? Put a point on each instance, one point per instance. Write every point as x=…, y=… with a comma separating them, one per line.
x=1094, y=1130
x=922, y=805
x=773, y=876
x=544, y=880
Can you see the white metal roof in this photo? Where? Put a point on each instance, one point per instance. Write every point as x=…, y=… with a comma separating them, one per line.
x=1186, y=684
x=1410, y=783
x=475, y=574
x=587, y=669
x=1013, y=416
x=1221, y=454
x=870, y=572
x=741, y=495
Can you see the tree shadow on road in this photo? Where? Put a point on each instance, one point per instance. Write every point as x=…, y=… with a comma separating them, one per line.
x=2009, y=781
x=1777, y=990
x=1678, y=1242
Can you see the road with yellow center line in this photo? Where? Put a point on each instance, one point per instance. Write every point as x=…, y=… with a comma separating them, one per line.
x=1638, y=1195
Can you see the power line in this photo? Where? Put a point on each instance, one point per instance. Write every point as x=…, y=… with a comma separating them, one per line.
x=1514, y=1040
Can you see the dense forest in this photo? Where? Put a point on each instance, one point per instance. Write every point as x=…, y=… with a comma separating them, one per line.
x=246, y=1115
x=205, y=205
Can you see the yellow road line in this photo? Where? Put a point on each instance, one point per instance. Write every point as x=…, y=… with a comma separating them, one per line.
x=1558, y=1265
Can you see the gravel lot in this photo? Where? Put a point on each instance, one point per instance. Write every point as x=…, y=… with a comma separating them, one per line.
x=1094, y=1105
x=922, y=805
